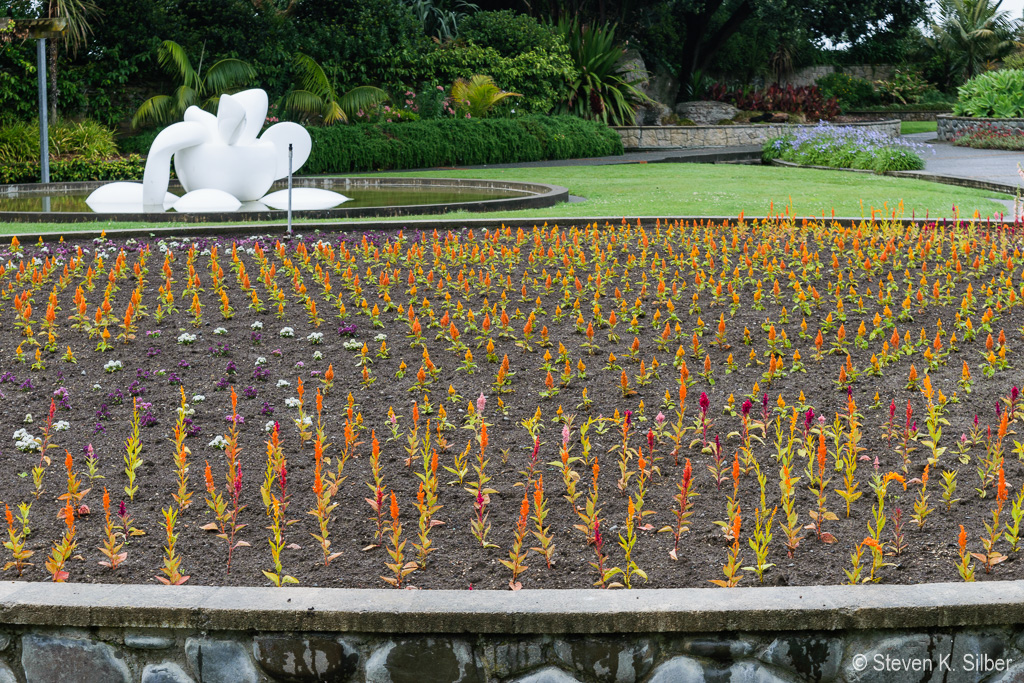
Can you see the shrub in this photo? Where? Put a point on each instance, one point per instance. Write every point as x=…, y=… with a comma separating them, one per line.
x=75, y=169
x=19, y=141
x=845, y=147
x=457, y=142
x=806, y=100
x=849, y=91
x=540, y=76
x=995, y=93
x=509, y=32
x=138, y=144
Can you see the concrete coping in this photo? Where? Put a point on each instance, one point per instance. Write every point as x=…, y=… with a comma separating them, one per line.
x=358, y=227
x=522, y=195
x=881, y=123
x=586, y=611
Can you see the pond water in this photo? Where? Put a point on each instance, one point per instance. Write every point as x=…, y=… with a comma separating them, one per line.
x=360, y=196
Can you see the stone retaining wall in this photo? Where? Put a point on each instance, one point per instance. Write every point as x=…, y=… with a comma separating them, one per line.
x=950, y=126
x=154, y=634
x=662, y=137
x=908, y=115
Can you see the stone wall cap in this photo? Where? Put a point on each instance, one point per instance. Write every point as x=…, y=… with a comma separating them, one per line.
x=526, y=611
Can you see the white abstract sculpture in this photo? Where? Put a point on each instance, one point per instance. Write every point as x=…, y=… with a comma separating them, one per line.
x=221, y=163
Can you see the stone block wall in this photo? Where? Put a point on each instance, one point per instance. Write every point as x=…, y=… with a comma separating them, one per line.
x=949, y=126
x=682, y=137
x=62, y=655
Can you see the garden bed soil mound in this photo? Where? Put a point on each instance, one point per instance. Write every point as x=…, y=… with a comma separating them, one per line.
x=619, y=267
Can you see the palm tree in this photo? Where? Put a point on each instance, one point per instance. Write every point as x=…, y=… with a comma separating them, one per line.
x=603, y=90
x=972, y=32
x=196, y=88
x=314, y=97
x=77, y=14
x=478, y=95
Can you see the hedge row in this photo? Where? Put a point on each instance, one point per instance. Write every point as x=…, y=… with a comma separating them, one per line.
x=457, y=142
x=73, y=169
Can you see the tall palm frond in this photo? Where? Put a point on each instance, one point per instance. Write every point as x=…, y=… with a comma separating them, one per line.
x=314, y=96
x=77, y=13
x=195, y=88
x=973, y=32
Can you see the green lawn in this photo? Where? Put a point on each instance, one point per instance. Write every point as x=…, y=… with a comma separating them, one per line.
x=908, y=127
x=696, y=190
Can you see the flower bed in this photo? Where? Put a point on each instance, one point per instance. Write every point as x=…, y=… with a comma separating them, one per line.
x=846, y=147
x=990, y=136
x=542, y=408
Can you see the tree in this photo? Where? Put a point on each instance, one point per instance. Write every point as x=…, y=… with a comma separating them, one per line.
x=195, y=88
x=700, y=29
x=77, y=14
x=710, y=23
x=316, y=97
x=971, y=33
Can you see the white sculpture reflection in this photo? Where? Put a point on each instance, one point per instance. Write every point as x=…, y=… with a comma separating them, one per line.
x=221, y=163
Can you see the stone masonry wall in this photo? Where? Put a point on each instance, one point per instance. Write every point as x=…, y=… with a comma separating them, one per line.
x=949, y=126
x=653, y=137
x=121, y=655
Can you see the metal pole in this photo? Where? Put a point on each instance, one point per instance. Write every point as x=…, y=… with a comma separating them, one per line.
x=44, y=134
x=289, y=189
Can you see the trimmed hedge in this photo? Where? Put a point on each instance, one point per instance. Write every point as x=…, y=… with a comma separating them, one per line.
x=74, y=169
x=457, y=142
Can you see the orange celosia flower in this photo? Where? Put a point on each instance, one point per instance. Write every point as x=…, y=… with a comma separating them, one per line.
x=1001, y=494
x=209, y=479
x=394, y=507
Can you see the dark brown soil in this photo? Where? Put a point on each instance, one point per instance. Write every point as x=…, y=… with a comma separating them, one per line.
x=98, y=403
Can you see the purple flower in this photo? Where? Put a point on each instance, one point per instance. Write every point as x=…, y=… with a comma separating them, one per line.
x=629, y=418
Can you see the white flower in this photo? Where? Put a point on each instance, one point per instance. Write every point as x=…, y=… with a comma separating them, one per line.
x=269, y=427
x=381, y=337
x=219, y=442
x=317, y=355
x=28, y=418
x=96, y=387
x=291, y=402
x=286, y=332
x=283, y=383
x=220, y=331
x=113, y=366
x=61, y=426
x=315, y=337
x=26, y=443
x=186, y=338
x=352, y=345
x=256, y=325
x=198, y=398
x=260, y=361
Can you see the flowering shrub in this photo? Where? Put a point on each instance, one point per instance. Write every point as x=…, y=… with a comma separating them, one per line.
x=847, y=147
